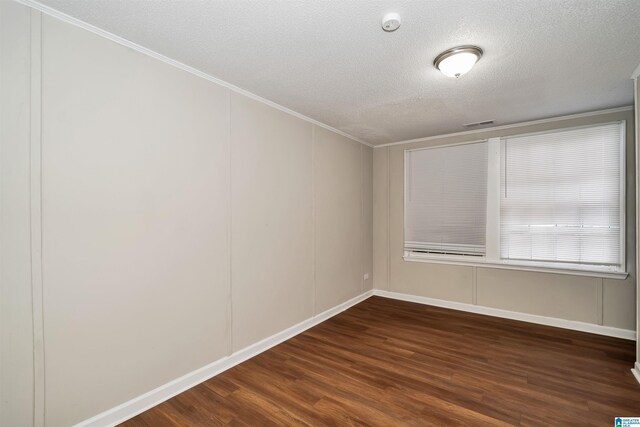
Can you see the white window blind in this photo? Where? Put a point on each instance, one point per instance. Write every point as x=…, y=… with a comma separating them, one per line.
x=446, y=199
x=562, y=197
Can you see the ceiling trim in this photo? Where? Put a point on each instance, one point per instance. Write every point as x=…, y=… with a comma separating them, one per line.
x=122, y=41
x=511, y=126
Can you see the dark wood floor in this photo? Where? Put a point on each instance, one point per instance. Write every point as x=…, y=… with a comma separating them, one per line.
x=386, y=362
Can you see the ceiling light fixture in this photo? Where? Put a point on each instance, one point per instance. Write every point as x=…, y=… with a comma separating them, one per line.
x=458, y=60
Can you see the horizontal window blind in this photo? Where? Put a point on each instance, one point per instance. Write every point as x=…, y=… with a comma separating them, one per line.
x=446, y=199
x=561, y=196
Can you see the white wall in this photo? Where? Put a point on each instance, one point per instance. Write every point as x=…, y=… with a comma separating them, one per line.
x=607, y=302
x=181, y=221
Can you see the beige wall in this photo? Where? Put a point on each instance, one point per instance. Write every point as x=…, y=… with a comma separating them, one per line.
x=637, y=143
x=135, y=222
x=381, y=218
x=181, y=221
x=606, y=302
x=367, y=214
x=271, y=207
x=338, y=208
x=16, y=328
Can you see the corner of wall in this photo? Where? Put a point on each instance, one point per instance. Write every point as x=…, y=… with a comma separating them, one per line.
x=381, y=218
x=635, y=76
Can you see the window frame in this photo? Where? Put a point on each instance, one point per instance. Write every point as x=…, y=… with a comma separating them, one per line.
x=492, y=249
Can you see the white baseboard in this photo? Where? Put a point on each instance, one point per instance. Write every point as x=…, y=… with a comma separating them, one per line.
x=496, y=312
x=158, y=395
x=636, y=371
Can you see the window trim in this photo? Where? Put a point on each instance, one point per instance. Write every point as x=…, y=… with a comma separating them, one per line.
x=482, y=263
x=492, y=259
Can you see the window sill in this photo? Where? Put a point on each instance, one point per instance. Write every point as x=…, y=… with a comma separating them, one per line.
x=486, y=264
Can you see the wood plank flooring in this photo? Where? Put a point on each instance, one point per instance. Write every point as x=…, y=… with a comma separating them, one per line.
x=387, y=363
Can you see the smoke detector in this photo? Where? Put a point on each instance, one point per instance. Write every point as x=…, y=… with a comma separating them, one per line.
x=391, y=22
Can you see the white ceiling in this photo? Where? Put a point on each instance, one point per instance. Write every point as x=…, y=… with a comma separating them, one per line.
x=331, y=61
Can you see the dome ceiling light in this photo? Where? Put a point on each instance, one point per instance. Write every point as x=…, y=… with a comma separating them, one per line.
x=458, y=60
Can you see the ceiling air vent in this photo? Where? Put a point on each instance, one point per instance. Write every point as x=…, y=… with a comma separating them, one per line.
x=484, y=122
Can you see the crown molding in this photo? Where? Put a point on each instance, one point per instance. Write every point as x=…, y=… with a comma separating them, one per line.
x=117, y=39
x=512, y=126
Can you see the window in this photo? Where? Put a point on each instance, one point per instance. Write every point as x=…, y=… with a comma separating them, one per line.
x=447, y=199
x=552, y=200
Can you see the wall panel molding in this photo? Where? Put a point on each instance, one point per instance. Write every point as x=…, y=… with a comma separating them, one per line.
x=154, y=397
x=36, y=217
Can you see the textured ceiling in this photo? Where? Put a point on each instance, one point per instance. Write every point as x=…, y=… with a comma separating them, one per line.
x=331, y=61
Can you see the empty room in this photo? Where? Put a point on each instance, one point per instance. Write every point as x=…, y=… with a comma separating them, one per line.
x=319, y=213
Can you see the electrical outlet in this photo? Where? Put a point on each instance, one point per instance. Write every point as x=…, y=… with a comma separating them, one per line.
x=366, y=276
